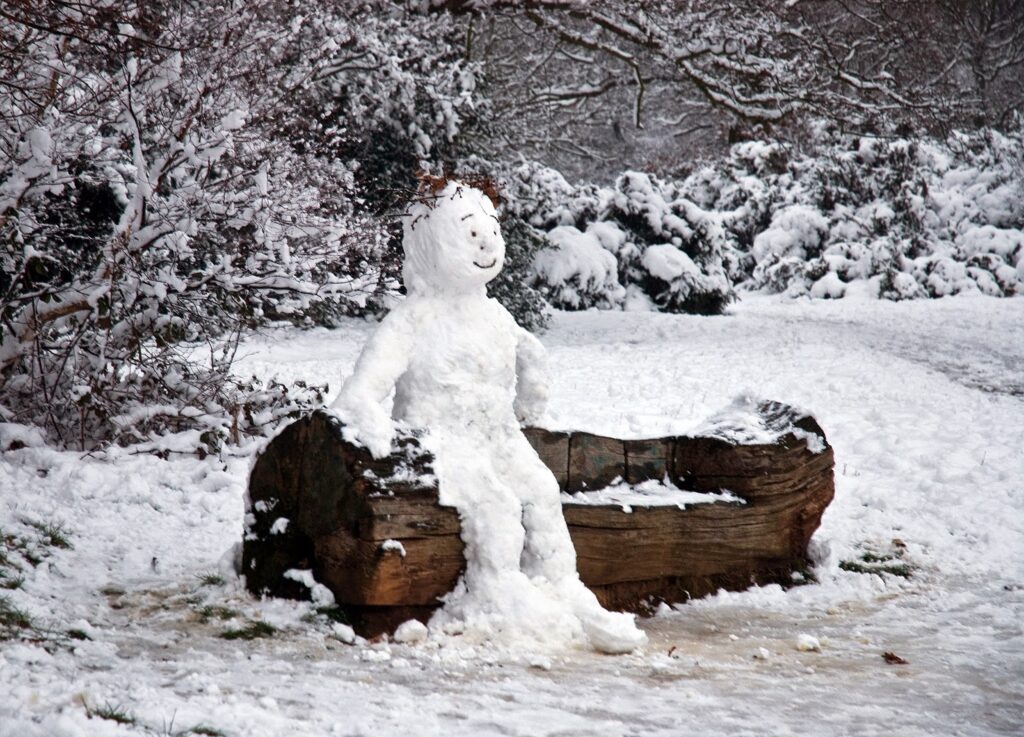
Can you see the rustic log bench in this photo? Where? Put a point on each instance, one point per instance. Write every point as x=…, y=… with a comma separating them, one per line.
x=372, y=531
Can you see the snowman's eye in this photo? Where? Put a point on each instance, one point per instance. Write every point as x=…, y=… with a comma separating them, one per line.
x=472, y=233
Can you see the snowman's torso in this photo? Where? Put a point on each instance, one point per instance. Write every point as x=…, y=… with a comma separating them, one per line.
x=461, y=373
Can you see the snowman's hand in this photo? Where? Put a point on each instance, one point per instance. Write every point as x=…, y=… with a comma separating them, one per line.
x=531, y=379
x=368, y=425
x=383, y=360
x=377, y=436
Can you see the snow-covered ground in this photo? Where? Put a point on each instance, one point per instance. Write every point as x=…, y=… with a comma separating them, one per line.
x=922, y=401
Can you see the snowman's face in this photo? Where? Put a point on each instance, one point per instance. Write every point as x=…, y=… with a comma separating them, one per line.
x=454, y=246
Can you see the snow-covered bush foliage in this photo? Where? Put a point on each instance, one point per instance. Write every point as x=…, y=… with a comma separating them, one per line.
x=577, y=272
x=894, y=218
x=906, y=218
x=686, y=271
x=601, y=236
x=523, y=243
x=172, y=173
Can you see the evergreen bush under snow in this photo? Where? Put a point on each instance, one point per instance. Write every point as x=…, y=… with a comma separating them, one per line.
x=891, y=218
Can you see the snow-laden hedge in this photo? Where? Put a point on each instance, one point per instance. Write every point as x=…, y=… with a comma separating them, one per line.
x=896, y=218
x=892, y=218
x=639, y=243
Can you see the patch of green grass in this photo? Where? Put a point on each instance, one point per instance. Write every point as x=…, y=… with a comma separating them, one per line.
x=897, y=569
x=880, y=563
x=111, y=712
x=252, y=631
x=216, y=612
x=52, y=534
x=335, y=614
x=13, y=621
x=206, y=731
x=210, y=579
x=31, y=548
x=9, y=582
x=870, y=557
x=33, y=557
x=11, y=548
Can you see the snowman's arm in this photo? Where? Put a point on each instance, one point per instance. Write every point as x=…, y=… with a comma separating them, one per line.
x=531, y=378
x=383, y=360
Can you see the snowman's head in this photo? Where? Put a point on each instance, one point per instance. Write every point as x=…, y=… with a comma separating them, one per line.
x=452, y=242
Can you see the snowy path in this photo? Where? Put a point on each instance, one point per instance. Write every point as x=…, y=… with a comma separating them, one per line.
x=921, y=401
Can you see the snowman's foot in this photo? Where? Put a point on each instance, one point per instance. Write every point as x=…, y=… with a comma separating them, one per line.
x=609, y=632
x=614, y=633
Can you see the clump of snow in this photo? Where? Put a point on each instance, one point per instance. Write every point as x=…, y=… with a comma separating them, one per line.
x=808, y=643
x=460, y=367
x=743, y=422
x=829, y=286
x=280, y=526
x=410, y=632
x=343, y=633
x=320, y=594
x=393, y=546
x=668, y=263
x=650, y=493
x=815, y=443
x=15, y=435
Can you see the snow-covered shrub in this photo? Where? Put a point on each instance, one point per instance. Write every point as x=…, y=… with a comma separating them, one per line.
x=796, y=235
x=686, y=273
x=902, y=218
x=908, y=218
x=171, y=177
x=577, y=272
x=513, y=286
x=601, y=235
x=541, y=196
x=743, y=188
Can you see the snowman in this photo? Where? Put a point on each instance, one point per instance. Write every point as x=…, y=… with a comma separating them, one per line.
x=459, y=366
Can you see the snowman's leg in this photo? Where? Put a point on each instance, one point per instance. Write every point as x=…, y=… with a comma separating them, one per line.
x=548, y=552
x=548, y=549
x=490, y=516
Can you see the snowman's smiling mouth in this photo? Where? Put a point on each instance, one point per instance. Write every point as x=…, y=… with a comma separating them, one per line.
x=485, y=266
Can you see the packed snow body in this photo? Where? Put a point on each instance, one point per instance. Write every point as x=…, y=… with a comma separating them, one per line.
x=461, y=367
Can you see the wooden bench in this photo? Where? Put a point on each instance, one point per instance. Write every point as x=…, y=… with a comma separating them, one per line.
x=372, y=531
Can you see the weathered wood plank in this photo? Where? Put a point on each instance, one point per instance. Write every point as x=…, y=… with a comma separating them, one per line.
x=367, y=574
x=553, y=449
x=648, y=459
x=594, y=461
